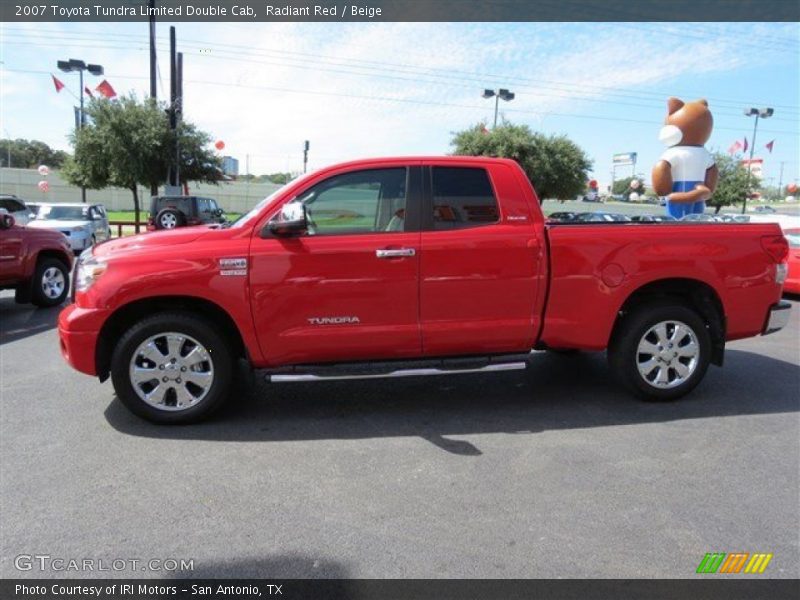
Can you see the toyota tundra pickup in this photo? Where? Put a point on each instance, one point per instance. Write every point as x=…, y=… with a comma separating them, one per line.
x=413, y=266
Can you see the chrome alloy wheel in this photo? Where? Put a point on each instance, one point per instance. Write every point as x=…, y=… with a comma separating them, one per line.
x=53, y=283
x=169, y=221
x=171, y=371
x=667, y=354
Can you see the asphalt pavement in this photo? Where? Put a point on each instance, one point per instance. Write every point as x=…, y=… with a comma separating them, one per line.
x=554, y=472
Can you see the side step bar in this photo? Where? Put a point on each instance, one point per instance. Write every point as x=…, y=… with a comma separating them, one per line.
x=392, y=369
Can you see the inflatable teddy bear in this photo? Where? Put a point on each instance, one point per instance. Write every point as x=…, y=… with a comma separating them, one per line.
x=686, y=173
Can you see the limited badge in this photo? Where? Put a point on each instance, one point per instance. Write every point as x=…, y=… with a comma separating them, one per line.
x=232, y=266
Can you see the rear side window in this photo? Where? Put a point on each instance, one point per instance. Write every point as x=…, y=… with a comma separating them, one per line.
x=462, y=197
x=11, y=205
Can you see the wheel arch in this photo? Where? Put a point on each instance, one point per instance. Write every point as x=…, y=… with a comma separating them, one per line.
x=694, y=293
x=126, y=315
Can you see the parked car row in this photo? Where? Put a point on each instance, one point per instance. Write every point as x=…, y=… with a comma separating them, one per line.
x=606, y=217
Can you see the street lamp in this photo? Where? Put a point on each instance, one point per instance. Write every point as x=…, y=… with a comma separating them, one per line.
x=68, y=66
x=503, y=94
x=764, y=113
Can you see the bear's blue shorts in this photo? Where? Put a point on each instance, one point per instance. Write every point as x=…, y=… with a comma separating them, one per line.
x=681, y=209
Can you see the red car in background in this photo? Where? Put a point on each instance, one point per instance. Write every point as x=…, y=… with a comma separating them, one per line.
x=792, y=283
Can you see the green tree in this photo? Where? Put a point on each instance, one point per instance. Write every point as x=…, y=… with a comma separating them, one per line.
x=280, y=178
x=29, y=154
x=556, y=166
x=127, y=143
x=732, y=184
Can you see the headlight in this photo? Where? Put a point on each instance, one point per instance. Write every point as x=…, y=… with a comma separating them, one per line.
x=76, y=229
x=89, y=270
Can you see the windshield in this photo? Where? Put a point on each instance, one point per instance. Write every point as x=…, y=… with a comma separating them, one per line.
x=63, y=213
x=793, y=238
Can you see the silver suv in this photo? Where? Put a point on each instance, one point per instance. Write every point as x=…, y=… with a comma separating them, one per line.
x=84, y=224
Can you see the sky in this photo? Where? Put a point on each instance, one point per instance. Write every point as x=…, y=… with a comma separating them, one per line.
x=380, y=89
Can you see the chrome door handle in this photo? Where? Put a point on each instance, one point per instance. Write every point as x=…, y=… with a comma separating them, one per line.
x=395, y=253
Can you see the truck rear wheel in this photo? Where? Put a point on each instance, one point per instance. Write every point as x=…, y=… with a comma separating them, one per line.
x=661, y=351
x=172, y=368
x=50, y=283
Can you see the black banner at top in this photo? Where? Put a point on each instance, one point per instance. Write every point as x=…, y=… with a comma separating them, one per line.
x=399, y=10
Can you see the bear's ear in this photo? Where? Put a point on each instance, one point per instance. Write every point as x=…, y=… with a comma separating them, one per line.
x=673, y=105
x=704, y=102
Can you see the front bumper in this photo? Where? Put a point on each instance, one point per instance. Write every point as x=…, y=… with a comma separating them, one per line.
x=79, y=243
x=78, y=332
x=778, y=317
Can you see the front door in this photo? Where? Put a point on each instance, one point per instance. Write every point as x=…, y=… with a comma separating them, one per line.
x=348, y=289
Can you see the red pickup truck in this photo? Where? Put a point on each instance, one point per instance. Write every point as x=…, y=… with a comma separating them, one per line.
x=413, y=266
x=34, y=262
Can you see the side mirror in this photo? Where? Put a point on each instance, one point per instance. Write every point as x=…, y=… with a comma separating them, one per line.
x=219, y=212
x=6, y=221
x=291, y=220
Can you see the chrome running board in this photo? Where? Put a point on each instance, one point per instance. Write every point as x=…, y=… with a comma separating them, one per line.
x=330, y=373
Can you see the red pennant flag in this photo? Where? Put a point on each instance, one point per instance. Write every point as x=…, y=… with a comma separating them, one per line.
x=88, y=91
x=57, y=83
x=770, y=145
x=105, y=89
x=735, y=147
x=745, y=146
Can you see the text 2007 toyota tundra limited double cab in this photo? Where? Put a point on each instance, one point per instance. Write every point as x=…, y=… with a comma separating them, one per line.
x=413, y=266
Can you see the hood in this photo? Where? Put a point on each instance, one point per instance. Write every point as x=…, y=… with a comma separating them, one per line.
x=154, y=239
x=56, y=224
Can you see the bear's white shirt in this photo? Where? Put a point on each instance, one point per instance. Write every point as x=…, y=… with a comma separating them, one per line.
x=689, y=163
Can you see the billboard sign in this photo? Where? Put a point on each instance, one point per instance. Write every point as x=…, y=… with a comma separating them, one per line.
x=756, y=166
x=625, y=158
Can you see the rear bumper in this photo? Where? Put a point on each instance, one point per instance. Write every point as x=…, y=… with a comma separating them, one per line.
x=778, y=317
x=78, y=331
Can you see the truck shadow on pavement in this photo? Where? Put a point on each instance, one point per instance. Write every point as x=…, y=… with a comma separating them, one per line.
x=18, y=321
x=557, y=392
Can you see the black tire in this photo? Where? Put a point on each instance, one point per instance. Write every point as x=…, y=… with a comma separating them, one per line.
x=624, y=354
x=170, y=218
x=44, y=293
x=186, y=324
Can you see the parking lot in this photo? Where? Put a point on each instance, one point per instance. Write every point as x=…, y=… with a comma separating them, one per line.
x=552, y=472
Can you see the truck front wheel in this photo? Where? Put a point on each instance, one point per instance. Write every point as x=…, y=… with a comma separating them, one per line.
x=172, y=368
x=50, y=283
x=661, y=351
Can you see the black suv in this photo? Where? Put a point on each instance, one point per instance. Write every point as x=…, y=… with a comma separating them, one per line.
x=169, y=212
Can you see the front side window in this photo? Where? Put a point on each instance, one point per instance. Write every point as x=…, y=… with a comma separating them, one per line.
x=369, y=201
x=462, y=197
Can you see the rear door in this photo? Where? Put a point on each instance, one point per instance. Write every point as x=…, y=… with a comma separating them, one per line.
x=347, y=290
x=481, y=263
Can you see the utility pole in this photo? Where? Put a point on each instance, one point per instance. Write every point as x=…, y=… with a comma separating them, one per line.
x=153, y=68
x=174, y=176
x=179, y=116
x=780, y=182
x=305, y=155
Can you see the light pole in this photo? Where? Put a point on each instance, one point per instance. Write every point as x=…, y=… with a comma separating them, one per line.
x=503, y=94
x=73, y=64
x=764, y=113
